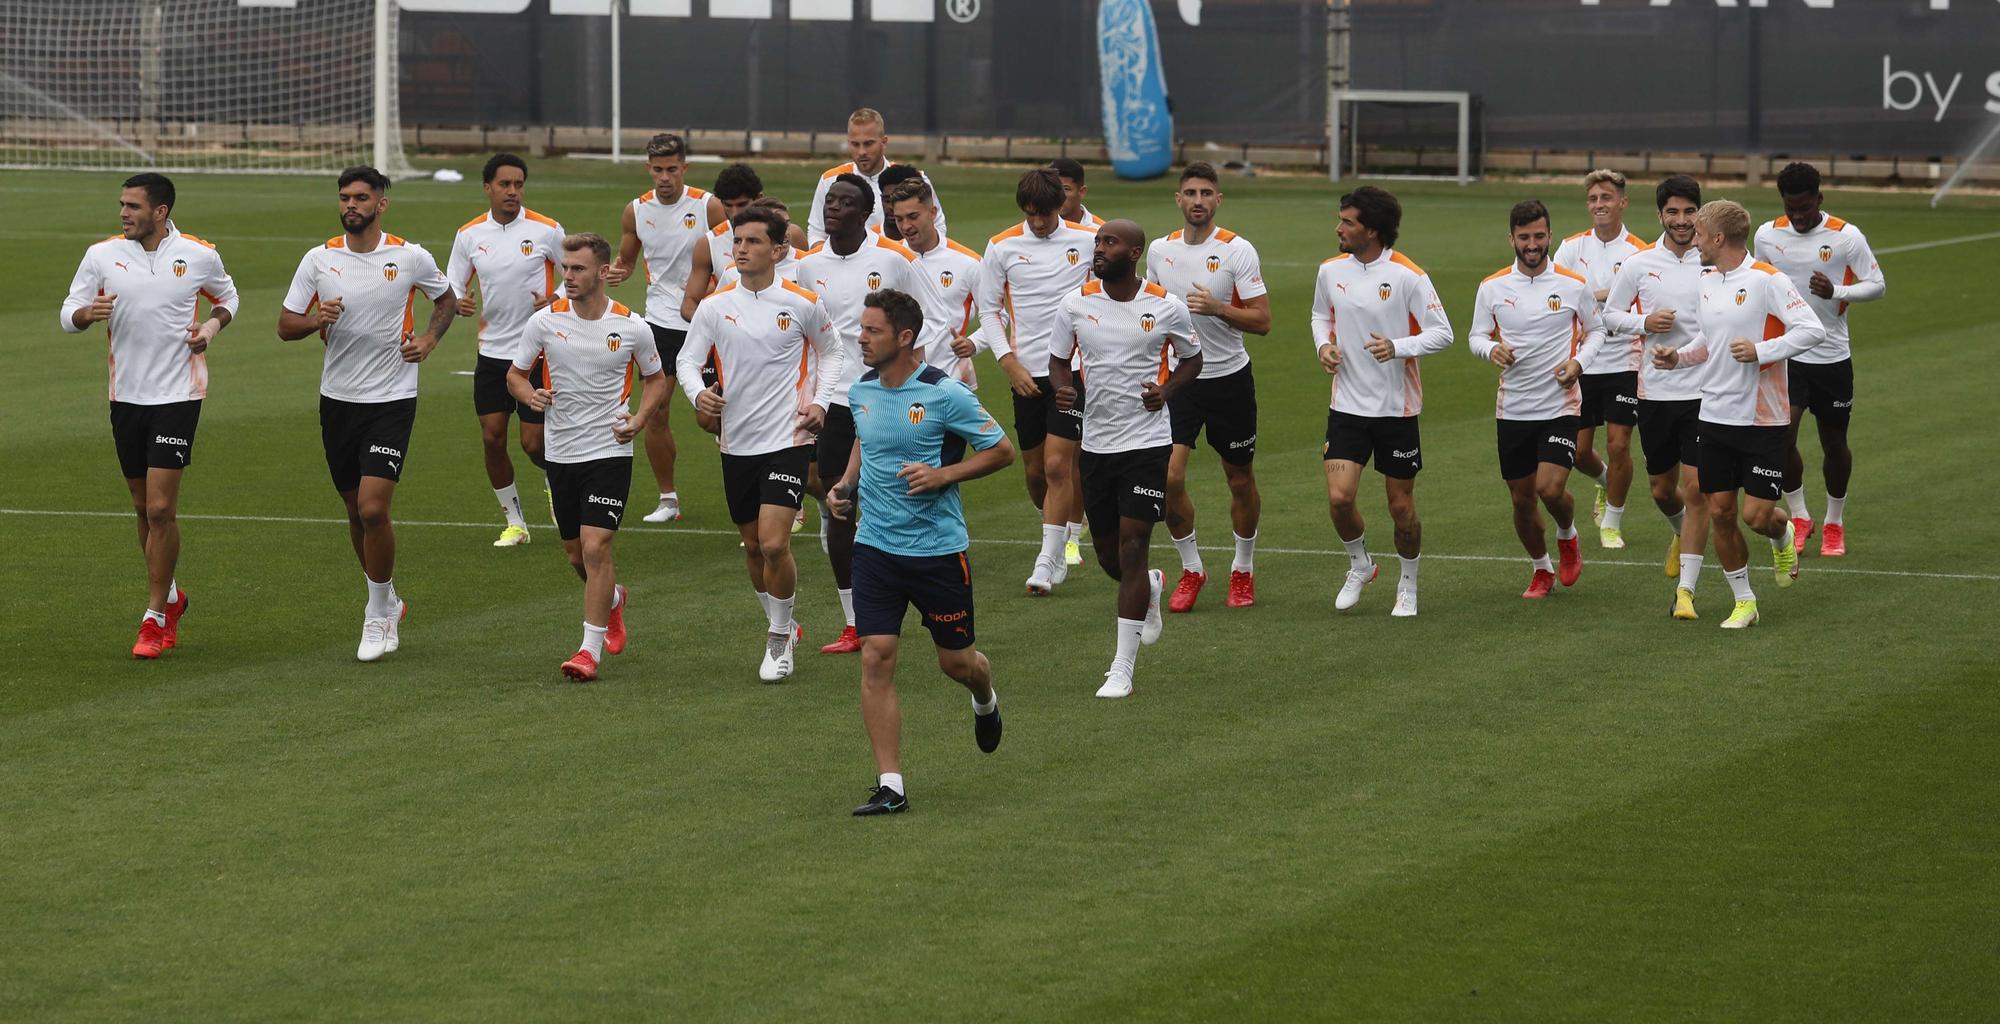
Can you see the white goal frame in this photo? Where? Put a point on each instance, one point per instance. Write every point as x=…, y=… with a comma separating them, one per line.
x=1337, y=99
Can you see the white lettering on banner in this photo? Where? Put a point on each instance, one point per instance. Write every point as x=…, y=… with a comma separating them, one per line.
x=1942, y=98
x=1993, y=90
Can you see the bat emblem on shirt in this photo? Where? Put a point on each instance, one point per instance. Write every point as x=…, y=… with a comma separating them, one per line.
x=388, y=271
x=1555, y=303
x=1741, y=294
x=1213, y=263
x=1826, y=254
x=613, y=340
x=874, y=280
x=1384, y=291
x=784, y=320
x=527, y=248
x=1146, y=321
x=1072, y=255
x=945, y=279
x=180, y=268
x=687, y=221
x=916, y=412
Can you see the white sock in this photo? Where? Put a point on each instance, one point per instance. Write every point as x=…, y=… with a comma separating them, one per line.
x=1690, y=571
x=1408, y=580
x=593, y=640
x=1072, y=533
x=1785, y=539
x=847, y=605
x=155, y=616
x=992, y=703
x=764, y=602
x=1834, y=508
x=1128, y=643
x=1613, y=516
x=894, y=780
x=1566, y=532
x=1675, y=519
x=1357, y=552
x=1795, y=503
x=381, y=598
x=1739, y=583
x=667, y=496
x=510, y=504
x=1246, y=554
x=1052, y=541
x=1599, y=476
x=780, y=614
x=1190, y=555
x=174, y=586
x=1543, y=564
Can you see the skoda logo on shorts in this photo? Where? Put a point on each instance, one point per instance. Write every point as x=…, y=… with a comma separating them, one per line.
x=1383, y=291
x=180, y=268
x=1741, y=294
x=784, y=320
x=687, y=220
x=1826, y=254
x=874, y=280
x=1214, y=263
x=388, y=271
x=1555, y=303
x=1146, y=321
x=945, y=279
x=1072, y=255
x=916, y=412
x=527, y=248
x=613, y=340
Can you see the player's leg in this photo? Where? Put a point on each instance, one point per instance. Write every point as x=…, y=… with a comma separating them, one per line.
x=600, y=596
x=1246, y=510
x=1659, y=447
x=163, y=536
x=1803, y=386
x=944, y=599
x=1398, y=457
x=661, y=450
x=1832, y=411
x=836, y=447
x=1062, y=502
x=1180, y=530
x=1726, y=466
x=1618, y=483
x=882, y=716
x=494, y=406
x=780, y=494
x=1693, y=538
x=1343, y=482
x=1552, y=488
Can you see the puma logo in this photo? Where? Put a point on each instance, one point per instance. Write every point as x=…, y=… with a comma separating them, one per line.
x=1024, y=257
x=730, y=318
x=1655, y=275
x=1092, y=317
x=1507, y=302
x=335, y=271
x=120, y=265
x=393, y=466
x=614, y=515
x=1340, y=287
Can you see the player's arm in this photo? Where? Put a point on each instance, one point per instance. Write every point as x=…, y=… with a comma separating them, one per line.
x=1624, y=314
x=1869, y=284
x=1592, y=324
x=1061, y=378
x=1484, y=341
x=1666, y=357
x=1802, y=327
x=524, y=389
x=85, y=304
x=220, y=291
x=687, y=366
x=458, y=270
x=1433, y=327
x=1249, y=309
x=830, y=357
x=304, y=312
x=1326, y=345
x=995, y=332
x=701, y=276
x=444, y=308
x=628, y=250
x=965, y=337
x=653, y=391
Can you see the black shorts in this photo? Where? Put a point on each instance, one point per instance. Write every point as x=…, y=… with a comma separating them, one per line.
x=1127, y=485
x=1227, y=406
x=1827, y=389
x=1036, y=418
x=1526, y=444
x=1393, y=441
x=365, y=438
x=1669, y=434
x=750, y=482
x=489, y=388
x=885, y=585
x=153, y=436
x=670, y=341
x=835, y=444
x=1748, y=458
x=1610, y=398
x=589, y=493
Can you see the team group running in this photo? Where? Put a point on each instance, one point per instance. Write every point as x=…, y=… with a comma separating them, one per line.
x=835, y=361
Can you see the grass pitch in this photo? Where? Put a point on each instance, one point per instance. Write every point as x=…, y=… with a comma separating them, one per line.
x=1572, y=809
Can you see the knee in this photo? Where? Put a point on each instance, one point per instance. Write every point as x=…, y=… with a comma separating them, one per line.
x=1340, y=499
x=877, y=662
x=576, y=561
x=956, y=665
x=158, y=513
x=532, y=445
x=1618, y=446
x=597, y=550
x=1550, y=493
x=1176, y=480
x=1242, y=486
x=494, y=437
x=371, y=515
x=1664, y=491
x=774, y=551
x=1403, y=509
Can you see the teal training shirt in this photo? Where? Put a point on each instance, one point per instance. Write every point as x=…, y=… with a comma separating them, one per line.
x=930, y=419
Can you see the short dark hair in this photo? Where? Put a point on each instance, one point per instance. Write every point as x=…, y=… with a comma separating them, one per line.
x=915, y=188
x=1200, y=169
x=498, y=161
x=1798, y=179
x=904, y=312
x=867, y=190
x=775, y=223
x=1039, y=191
x=1681, y=185
x=738, y=181
x=896, y=174
x=1526, y=212
x=366, y=175
x=1067, y=167
x=1377, y=210
x=666, y=144
x=588, y=240
x=159, y=188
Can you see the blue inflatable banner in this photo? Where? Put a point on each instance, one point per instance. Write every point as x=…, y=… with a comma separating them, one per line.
x=1138, y=123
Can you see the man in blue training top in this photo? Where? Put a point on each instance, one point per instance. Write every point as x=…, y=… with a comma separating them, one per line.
x=913, y=424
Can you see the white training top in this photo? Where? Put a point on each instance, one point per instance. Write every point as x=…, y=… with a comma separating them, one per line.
x=378, y=292
x=515, y=263
x=149, y=361
x=1023, y=280
x=816, y=217
x=1653, y=280
x=1548, y=319
x=1124, y=345
x=668, y=233
x=1225, y=263
x=769, y=347
x=1394, y=298
x=1837, y=249
x=591, y=365
x=1598, y=261
x=1757, y=303
x=946, y=279
x=843, y=283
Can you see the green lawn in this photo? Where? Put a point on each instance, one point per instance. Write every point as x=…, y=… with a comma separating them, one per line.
x=1575, y=809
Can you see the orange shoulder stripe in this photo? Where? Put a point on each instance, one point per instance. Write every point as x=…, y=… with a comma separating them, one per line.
x=1763, y=266
x=1155, y=290
x=960, y=249
x=1174, y=235
x=538, y=218
x=720, y=229
x=203, y=242
x=836, y=172
x=474, y=222
x=1504, y=271
x=1834, y=223
x=619, y=309
x=885, y=242
x=1224, y=235
x=1014, y=232
x=337, y=242
x=1092, y=286
x=1335, y=259
x=1572, y=275
x=559, y=306
x=798, y=289
x=1578, y=235
x=1404, y=261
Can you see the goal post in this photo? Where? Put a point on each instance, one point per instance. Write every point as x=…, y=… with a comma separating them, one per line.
x=1416, y=125
x=251, y=86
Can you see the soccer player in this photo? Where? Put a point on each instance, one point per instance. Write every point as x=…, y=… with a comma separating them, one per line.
x=512, y=251
x=913, y=425
x=1752, y=322
x=142, y=284
x=358, y=293
x=1527, y=320
x=1124, y=328
x=669, y=223
x=1025, y=275
x=1375, y=313
x=1074, y=190
x=947, y=278
x=868, y=148
x=892, y=176
x=842, y=271
x=1611, y=381
x=1656, y=294
x=1811, y=247
x=760, y=331
x=1217, y=272
x=588, y=349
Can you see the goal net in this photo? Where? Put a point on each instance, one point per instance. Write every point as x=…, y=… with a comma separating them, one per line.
x=199, y=85
x=1402, y=134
